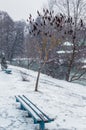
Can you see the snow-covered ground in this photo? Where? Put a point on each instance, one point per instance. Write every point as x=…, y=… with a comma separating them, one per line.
x=66, y=102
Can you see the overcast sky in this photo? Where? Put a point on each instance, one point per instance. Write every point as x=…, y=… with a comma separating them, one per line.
x=20, y=9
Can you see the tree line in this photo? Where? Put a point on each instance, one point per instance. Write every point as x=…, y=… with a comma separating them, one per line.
x=11, y=36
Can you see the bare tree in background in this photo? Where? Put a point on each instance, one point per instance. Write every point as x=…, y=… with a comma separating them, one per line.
x=11, y=36
x=75, y=32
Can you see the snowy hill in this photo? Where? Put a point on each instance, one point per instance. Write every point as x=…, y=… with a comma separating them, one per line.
x=66, y=102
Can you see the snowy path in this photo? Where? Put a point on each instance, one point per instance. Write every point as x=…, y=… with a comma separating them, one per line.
x=66, y=102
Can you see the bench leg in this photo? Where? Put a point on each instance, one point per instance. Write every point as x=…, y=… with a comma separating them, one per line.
x=42, y=126
x=29, y=115
x=17, y=100
x=22, y=108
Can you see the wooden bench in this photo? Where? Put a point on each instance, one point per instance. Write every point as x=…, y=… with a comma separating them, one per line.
x=33, y=111
x=8, y=71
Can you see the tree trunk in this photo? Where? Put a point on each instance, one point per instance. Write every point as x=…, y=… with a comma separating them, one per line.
x=68, y=72
x=36, y=87
x=71, y=63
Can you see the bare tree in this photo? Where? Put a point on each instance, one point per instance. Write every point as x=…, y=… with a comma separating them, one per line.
x=46, y=33
x=75, y=31
x=11, y=36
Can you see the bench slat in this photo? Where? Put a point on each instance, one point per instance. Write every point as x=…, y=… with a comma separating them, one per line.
x=42, y=114
x=28, y=109
x=35, y=109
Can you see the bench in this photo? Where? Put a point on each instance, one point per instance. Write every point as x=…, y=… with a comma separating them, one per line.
x=38, y=116
x=8, y=71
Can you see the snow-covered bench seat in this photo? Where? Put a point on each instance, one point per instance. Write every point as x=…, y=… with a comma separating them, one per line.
x=8, y=71
x=33, y=111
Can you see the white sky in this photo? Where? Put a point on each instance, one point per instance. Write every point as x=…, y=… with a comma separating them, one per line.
x=20, y=9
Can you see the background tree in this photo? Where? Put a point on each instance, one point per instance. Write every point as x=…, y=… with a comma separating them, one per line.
x=75, y=33
x=6, y=29
x=17, y=48
x=11, y=36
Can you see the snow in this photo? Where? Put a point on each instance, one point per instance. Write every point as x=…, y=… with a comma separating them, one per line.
x=64, y=101
x=84, y=61
x=61, y=52
x=67, y=44
x=84, y=66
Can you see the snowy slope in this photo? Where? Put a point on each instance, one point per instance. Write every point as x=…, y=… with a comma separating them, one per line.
x=66, y=102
